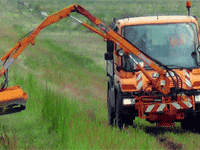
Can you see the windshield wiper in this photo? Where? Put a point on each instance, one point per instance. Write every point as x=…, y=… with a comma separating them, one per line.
x=171, y=67
x=178, y=67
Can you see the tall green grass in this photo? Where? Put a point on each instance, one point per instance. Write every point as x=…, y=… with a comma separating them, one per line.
x=45, y=121
x=54, y=121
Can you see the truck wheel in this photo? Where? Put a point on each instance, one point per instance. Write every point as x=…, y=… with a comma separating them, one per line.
x=188, y=123
x=124, y=115
x=197, y=123
x=129, y=122
x=111, y=110
x=119, y=111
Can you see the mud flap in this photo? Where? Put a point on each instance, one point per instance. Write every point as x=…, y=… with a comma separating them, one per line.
x=12, y=100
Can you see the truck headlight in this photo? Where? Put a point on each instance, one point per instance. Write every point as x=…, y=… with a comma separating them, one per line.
x=120, y=52
x=197, y=98
x=128, y=101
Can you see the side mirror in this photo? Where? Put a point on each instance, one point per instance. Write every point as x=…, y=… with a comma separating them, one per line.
x=110, y=46
x=194, y=53
x=108, y=56
x=114, y=20
x=198, y=49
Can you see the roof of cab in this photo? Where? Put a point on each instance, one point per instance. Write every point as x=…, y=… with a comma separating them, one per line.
x=155, y=20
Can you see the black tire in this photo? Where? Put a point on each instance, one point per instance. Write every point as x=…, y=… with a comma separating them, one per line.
x=184, y=124
x=188, y=123
x=119, y=111
x=111, y=109
x=124, y=115
x=129, y=122
x=197, y=122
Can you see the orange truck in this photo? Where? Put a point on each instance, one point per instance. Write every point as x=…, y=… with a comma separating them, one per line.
x=152, y=68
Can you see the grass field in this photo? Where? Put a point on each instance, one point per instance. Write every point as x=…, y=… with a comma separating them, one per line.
x=65, y=78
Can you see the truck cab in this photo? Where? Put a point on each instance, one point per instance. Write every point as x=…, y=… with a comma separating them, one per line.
x=170, y=40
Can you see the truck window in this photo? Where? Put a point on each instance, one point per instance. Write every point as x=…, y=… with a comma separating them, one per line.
x=171, y=44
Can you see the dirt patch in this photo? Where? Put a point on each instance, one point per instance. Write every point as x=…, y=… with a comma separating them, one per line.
x=169, y=144
x=158, y=133
x=91, y=114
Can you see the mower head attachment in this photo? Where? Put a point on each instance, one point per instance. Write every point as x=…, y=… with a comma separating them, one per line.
x=12, y=100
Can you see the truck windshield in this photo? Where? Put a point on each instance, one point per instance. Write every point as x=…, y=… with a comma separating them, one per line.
x=171, y=44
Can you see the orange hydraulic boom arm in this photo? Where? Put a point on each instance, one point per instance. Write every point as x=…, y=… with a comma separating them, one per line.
x=161, y=83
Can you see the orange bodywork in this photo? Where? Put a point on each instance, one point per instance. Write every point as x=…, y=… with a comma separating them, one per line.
x=154, y=108
x=157, y=20
x=128, y=77
x=13, y=95
x=128, y=81
x=12, y=100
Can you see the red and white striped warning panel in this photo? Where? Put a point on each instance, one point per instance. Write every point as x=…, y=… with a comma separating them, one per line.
x=139, y=81
x=161, y=107
x=182, y=104
x=187, y=80
x=156, y=108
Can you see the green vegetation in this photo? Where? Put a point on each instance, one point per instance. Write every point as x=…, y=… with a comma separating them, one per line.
x=65, y=78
